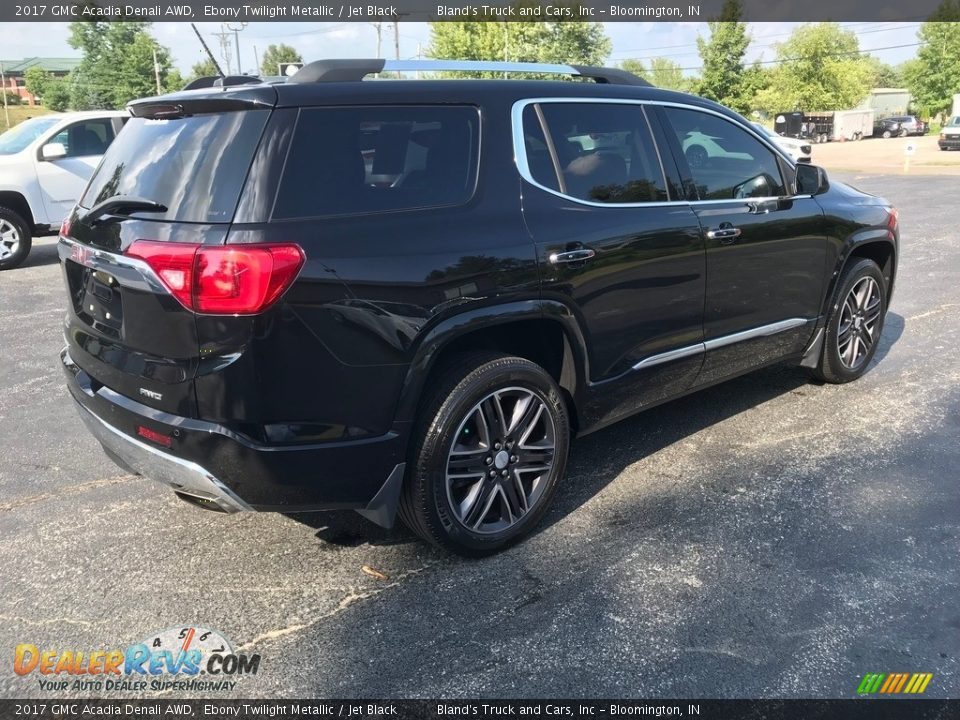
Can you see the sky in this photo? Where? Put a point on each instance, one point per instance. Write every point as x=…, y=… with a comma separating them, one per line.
x=676, y=41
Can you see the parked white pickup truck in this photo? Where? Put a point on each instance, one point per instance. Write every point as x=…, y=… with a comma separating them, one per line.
x=45, y=163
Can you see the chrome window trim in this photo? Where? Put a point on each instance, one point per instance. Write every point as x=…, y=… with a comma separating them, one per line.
x=523, y=167
x=725, y=340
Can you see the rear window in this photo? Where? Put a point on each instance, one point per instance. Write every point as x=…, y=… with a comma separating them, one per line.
x=372, y=159
x=194, y=165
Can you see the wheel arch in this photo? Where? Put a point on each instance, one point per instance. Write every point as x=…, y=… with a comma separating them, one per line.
x=877, y=244
x=17, y=202
x=544, y=332
x=883, y=253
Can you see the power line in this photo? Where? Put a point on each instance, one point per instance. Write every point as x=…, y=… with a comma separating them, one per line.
x=694, y=51
x=783, y=34
x=817, y=57
x=318, y=31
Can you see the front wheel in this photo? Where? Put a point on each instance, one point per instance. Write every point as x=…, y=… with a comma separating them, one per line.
x=491, y=447
x=15, y=239
x=887, y=134
x=854, y=324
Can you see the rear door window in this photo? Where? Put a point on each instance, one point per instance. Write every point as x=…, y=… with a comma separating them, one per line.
x=346, y=160
x=194, y=165
x=603, y=152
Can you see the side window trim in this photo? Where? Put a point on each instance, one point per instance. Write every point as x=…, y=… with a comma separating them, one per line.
x=551, y=148
x=519, y=147
x=679, y=185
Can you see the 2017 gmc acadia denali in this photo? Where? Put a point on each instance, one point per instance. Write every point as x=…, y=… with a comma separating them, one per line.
x=409, y=296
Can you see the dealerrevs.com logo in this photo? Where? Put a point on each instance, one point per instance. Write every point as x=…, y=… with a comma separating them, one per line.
x=189, y=658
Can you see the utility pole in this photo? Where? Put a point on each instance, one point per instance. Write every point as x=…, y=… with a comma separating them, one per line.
x=3, y=89
x=256, y=58
x=506, y=45
x=224, y=37
x=396, y=38
x=156, y=71
x=378, y=26
x=236, y=38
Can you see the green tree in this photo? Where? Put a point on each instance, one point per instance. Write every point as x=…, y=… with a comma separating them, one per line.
x=36, y=80
x=933, y=77
x=819, y=68
x=884, y=75
x=117, y=64
x=276, y=54
x=52, y=91
x=174, y=81
x=574, y=42
x=663, y=73
x=722, y=56
x=206, y=68
x=57, y=95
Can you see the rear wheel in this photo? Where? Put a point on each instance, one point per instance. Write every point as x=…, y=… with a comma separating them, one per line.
x=855, y=323
x=15, y=239
x=492, y=446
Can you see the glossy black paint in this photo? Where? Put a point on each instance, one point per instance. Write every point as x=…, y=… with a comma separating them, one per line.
x=311, y=403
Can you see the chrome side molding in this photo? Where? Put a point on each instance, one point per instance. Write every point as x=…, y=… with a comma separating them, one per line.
x=702, y=347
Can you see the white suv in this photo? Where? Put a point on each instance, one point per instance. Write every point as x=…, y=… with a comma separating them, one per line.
x=45, y=163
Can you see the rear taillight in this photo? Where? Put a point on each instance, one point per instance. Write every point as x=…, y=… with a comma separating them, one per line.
x=65, y=228
x=222, y=280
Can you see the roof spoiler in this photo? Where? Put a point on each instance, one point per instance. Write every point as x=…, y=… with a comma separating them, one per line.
x=209, y=81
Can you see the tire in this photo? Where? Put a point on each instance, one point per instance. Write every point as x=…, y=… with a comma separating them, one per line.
x=861, y=293
x=696, y=156
x=507, y=500
x=887, y=134
x=15, y=239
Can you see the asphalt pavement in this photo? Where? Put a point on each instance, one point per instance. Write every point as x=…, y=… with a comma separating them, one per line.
x=769, y=537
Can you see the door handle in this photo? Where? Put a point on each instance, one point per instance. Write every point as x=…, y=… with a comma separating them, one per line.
x=725, y=235
x=571, y=256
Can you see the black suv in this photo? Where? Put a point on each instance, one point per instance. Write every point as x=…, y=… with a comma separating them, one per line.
x=408, y=296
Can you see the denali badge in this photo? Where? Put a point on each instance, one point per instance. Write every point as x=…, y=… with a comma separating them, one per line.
x=151, y=394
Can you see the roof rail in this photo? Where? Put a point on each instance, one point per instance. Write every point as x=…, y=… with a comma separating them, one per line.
x=355, y=70
x=217, y=81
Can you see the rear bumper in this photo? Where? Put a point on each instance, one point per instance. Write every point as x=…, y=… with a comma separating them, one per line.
x=216, y=468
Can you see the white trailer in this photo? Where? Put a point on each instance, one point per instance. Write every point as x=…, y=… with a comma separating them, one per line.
x=956, y=105
x=852, y=124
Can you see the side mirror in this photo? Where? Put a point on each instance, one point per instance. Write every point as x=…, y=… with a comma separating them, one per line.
x=53, y=151
x=811, y=180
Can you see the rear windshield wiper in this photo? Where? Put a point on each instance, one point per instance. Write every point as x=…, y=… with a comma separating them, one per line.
x=119, y=207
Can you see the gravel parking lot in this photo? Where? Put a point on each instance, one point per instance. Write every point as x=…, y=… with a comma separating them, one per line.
x=768, y=537
x=879, y=155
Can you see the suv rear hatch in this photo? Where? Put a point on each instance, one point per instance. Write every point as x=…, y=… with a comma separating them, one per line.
x=168, y=185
